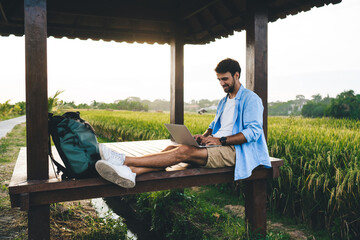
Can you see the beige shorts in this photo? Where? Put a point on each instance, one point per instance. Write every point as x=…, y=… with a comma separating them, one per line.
x=223, y=156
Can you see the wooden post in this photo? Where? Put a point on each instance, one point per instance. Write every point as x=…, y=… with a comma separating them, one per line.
x=256, y=52
x=39, y=222
x=36, y=109
x=177, y=80
x=255, y=207
x=256, y=80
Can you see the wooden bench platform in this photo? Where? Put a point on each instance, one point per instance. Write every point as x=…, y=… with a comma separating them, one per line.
x=26, y=194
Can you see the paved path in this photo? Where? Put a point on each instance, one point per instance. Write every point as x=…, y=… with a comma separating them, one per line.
x=7, y=125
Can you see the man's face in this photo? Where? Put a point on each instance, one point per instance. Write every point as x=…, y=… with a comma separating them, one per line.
x=226, y=81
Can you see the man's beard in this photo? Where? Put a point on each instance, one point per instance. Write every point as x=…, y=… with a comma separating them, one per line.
x=230, y=88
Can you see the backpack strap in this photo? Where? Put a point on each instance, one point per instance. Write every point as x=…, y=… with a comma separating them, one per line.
x=59, y=167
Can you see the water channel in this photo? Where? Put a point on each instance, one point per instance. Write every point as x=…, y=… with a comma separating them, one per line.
x=116, y=208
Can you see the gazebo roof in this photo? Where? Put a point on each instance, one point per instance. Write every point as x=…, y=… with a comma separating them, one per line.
x=200, y=21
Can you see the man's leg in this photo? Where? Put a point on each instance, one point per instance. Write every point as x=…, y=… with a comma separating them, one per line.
x=183, y=153
x=124, y=175
x=142, y=170
x=170, y=147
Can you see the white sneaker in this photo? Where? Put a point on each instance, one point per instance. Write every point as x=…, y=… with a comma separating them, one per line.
x=118, y=174
x=110, y=155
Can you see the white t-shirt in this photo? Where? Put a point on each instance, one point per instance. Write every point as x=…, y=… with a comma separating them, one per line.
x=227, y=119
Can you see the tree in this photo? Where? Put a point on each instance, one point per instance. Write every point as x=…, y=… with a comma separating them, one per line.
x=317, y=98
x=53, y=102
x=345, y=105
x=316, y=107
x=5, y=108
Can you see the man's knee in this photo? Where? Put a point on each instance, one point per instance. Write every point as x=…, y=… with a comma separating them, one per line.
x=185, y=152
x=168, y=148
x=184, y=149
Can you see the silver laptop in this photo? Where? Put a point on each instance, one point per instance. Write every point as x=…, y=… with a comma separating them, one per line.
x=182, y=135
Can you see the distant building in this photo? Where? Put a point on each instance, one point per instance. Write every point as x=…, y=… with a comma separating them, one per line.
x=202, y=111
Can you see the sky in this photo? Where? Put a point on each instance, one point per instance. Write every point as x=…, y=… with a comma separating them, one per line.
x=314, y=52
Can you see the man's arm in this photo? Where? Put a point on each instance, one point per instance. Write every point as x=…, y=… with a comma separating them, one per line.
x=235, y=139
x=208, y=132
x=253, y=119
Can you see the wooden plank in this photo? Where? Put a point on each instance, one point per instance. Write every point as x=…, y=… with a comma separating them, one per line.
x=136, y=150
x=19, y=176
x=19, y=173
x=109, y=189
x=56, y=184
x=36, y=89
x=160, y=144
x=257, y=53
x=177, y=79
x=54, y=190
x=153, y=147
x=19, y=184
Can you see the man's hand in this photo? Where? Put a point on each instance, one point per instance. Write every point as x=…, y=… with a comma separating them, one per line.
x=199, y=139
x=211, y=141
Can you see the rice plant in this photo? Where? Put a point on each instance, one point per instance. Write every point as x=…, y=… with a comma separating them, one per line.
x=132, y=126
x=319, y=182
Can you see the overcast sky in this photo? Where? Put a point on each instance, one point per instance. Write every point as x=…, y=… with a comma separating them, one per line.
x=309, y=53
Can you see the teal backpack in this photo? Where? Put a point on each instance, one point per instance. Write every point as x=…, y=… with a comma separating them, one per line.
x=76, y=143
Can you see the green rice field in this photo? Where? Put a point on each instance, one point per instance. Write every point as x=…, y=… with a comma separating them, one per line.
x=319, y=183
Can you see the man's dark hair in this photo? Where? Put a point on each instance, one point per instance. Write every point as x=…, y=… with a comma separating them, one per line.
x=228, y=65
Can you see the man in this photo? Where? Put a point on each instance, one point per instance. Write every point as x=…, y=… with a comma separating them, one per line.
x=237, y=127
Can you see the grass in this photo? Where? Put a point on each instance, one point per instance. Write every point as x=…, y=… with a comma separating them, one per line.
x=10, y=145
x=319, y=183
x=118, y=126
x=320, y=180
x=196, y=213
x=15, y=227
x=78, y=220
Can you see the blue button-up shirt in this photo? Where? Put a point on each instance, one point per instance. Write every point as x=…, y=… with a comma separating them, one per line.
x=248, y=119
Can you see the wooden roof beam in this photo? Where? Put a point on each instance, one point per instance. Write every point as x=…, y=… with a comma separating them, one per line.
x=231, y=7
x=290, y=8
x=117, y=8
x=198, y=9
x=2, y=12
x=220, y=21
x=72, y=31
x=14, y=10
x=120, y=17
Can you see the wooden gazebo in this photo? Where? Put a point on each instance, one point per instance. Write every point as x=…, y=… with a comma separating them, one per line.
x=175, y=22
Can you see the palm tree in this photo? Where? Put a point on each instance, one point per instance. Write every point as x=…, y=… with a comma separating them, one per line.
x=53, y=102
x=5, y=108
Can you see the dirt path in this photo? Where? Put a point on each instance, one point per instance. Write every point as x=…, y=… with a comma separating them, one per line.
x=7, y=125
x=239, y=211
